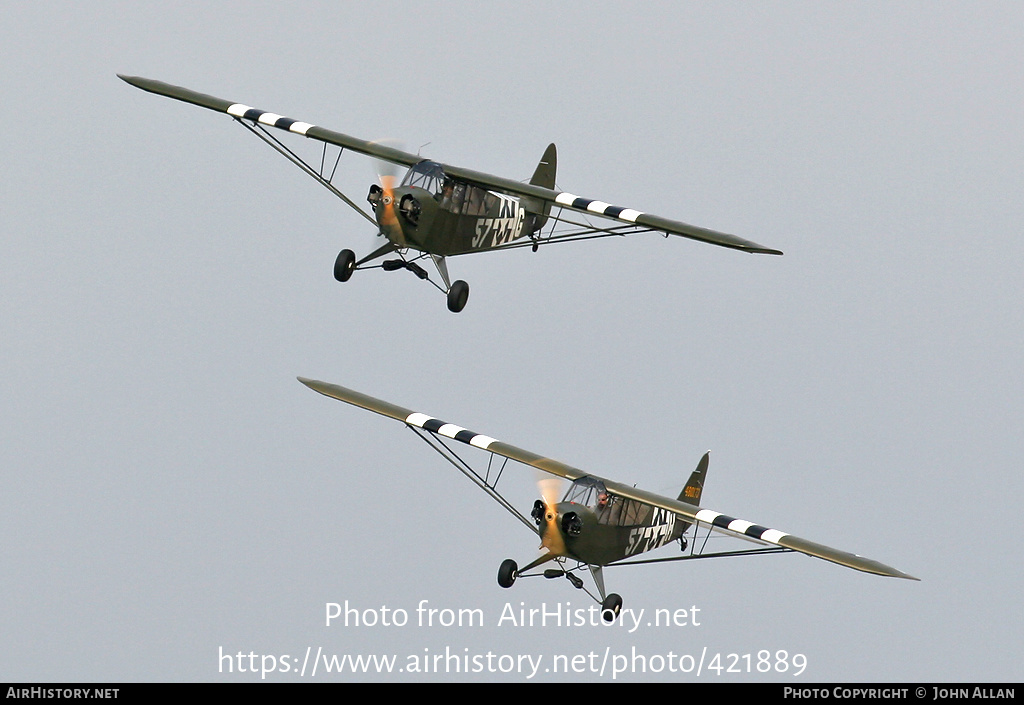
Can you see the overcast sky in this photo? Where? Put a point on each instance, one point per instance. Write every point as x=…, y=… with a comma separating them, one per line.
x=170, y=492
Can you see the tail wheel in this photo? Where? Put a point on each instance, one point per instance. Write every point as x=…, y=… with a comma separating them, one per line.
x=611, y=607
x=344, y=265
x=507, y=573
x=458, y=295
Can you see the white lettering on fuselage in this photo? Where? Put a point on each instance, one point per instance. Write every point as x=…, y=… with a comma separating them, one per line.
x=491, y=232
x=646, y=538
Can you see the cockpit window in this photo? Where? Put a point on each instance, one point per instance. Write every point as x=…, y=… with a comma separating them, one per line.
x=426, y=175
x=587, y=491
x=609, y=508
x=466, y=199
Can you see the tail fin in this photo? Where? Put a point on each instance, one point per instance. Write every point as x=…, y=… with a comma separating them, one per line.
x=544, y=176
x=691, y=494
x=695, y=485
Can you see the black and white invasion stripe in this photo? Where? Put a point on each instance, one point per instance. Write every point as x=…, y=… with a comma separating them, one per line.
x=449, y=430
x=271, y=119
x=570, y=200
x=740, y=526
x=707, y=516
x=598, y=207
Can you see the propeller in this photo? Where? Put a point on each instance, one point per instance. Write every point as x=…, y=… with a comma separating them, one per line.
x=550, y=490
x=388, y=218
x=386, y=175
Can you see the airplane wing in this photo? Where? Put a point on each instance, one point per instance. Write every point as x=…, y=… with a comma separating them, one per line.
x=606, y=210
x=510, y=187
x=262, y=117
x=717, y=521
x=441, y=428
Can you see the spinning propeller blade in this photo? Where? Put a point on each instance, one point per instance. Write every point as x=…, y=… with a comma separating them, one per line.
x=387, y=176
x=550, y=489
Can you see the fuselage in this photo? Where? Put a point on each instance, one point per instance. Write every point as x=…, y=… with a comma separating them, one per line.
x=434, y=213
x=599, y=528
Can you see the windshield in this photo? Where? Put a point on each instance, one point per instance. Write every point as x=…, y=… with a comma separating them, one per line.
x=609, y=508
x=587, y=491
x=426, y=175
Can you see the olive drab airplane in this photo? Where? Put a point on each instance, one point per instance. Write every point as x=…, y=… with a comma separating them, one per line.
x=597, y=522
x=440, y=210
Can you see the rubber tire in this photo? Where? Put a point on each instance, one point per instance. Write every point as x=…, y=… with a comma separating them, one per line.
x=507, y=573
x=613, y=604
x=344, y=265
x=458, y=295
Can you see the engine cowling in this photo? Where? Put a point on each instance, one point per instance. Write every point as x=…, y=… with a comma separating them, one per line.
x=571, y=524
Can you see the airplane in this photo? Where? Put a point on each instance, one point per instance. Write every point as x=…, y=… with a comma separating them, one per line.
x=598, y=522
x=440, y=210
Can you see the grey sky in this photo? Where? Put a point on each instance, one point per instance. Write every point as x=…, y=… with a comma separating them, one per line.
x=169, y=488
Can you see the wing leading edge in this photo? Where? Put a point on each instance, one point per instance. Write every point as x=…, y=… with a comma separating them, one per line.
x=263, y=117
x=715, y=520
x=510, y=187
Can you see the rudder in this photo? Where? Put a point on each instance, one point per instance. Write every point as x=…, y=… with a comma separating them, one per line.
x=695, y=485
x=543, y=176
x=691, y=494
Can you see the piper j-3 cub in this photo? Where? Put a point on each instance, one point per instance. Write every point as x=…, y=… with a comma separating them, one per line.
x=598, y=522
x=440, y=210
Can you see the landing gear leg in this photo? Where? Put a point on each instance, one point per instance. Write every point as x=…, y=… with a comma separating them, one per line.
x=611, y=605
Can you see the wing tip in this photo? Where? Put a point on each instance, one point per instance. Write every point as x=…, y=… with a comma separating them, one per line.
x=885, y=570
x=311, y=383
x=764, y=251
x=882, y=569
x=148, y=84
x=131, y=80
x=316, y=385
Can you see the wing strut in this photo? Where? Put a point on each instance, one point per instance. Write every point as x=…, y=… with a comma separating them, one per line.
x=696, y=556
x=298, y=161
x=483, y=482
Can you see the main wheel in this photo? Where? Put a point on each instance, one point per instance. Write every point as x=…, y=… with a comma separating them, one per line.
x=507, y=573
x=611, y=607
x=458, y=295
x=344, y=265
